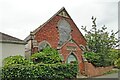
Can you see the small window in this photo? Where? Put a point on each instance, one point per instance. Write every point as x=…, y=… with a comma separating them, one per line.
x=43, y=45
x=82, y=48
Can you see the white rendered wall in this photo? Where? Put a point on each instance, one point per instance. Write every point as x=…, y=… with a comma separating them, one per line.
x=9, y=49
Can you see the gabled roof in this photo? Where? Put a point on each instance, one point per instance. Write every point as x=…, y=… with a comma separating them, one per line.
x=5, y=38
x=58, y=13
x=62, y=9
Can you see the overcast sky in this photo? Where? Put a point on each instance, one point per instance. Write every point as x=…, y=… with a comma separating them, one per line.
x=19, y=17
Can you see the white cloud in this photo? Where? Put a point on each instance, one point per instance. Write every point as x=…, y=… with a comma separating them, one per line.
x=19, y=17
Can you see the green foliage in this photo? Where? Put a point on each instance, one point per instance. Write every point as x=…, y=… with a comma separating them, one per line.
x=39, y=72
x=101, y=42
x=113, y=55
x=48, y=67
x=97, y=59
x=47, y=56
x=16, y=60
x=117, y=63
x=93, y=58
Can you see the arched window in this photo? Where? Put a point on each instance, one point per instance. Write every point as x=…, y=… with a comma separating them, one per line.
x=71, y=58
x=43, y=45
x=64, y=31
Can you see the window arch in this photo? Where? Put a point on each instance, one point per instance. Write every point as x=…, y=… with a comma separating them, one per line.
x=43, y=45
x=64, y=31
x=71, y=58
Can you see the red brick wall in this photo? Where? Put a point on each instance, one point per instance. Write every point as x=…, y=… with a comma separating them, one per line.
x=77, y=53
x=76, y=34
x=49, y=32
x=91, y=71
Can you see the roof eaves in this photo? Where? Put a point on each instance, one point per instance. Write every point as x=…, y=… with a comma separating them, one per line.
x=15, y=42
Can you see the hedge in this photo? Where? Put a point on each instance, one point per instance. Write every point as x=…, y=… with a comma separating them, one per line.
x=47, y=56
x=16, y=60
x=39, y=72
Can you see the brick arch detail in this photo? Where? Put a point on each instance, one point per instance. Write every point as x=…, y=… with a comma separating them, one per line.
x=77, y=53
x=43, y=42
x=72, y=52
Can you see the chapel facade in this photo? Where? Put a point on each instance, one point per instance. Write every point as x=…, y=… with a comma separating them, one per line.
x=59, y=32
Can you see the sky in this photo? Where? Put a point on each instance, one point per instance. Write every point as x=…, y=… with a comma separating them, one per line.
x=19, y=17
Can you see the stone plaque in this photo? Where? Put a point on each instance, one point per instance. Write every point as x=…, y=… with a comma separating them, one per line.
x=72, y=48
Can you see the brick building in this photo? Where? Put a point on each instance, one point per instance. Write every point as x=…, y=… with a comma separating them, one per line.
x=59, y=32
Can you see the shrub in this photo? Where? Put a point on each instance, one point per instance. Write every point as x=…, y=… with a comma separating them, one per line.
x=97, y=59
x=48, y=67
x=117, y=63
x=113, y=55
x=16, y=60
x=92, y=58
x=47, y=56
x=39, y=71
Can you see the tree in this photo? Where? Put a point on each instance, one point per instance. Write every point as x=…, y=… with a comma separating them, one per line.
x=100, y=41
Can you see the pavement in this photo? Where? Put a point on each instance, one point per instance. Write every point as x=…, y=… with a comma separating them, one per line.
x=113, y=75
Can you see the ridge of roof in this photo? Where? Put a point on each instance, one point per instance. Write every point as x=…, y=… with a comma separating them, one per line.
x=7, y=38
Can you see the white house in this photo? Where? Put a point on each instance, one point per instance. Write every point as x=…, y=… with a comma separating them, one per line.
x=10, y=46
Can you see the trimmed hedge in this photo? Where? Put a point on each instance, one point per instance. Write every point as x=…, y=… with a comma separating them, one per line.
x=39, y=71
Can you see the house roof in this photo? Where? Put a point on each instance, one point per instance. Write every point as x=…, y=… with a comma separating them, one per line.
x=36, y=30
x=5, y=38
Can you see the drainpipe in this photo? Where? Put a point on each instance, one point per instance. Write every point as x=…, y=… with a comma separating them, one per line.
x=31, y=38
x=85, y=66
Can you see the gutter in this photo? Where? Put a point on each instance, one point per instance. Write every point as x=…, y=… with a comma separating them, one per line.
x=13, y=42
